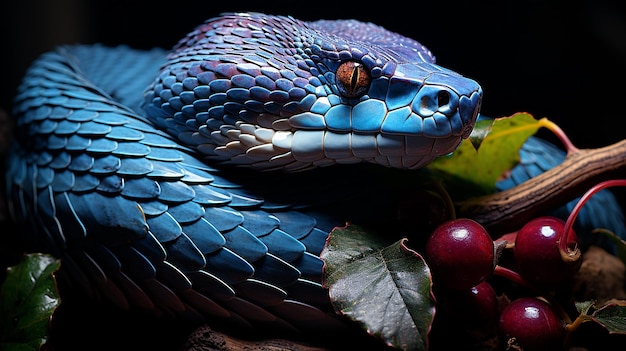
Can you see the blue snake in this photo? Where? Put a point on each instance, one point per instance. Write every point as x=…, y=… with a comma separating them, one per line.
x=203, y=182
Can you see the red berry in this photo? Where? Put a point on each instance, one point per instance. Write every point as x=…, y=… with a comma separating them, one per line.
x=472, y=314
x=531, y=324
x=474, y=308
x=537, y=253
x=460, y=254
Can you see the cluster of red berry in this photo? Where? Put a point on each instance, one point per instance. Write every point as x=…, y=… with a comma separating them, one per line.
x=463, y=257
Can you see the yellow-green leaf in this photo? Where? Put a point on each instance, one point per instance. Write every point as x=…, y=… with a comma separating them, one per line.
x=482, y=160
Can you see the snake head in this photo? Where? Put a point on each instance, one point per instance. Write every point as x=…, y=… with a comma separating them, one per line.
x=273, y=92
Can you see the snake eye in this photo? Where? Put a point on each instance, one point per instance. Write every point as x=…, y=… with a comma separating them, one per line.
x=352, y=79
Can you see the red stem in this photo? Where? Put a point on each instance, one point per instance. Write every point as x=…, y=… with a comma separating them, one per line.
x=569, y=223
x=514, y=277
x=565, y=140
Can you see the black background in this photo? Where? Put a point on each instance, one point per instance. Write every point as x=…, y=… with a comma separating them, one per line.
x=565, y=61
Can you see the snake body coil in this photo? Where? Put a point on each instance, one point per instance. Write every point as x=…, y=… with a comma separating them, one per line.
x=146, y=188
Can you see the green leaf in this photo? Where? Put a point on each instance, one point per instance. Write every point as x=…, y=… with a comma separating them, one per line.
x=492, y=150
x=612, y=317
x=385, y=288
x=28, y=298
x=482, y=128
x=584, y=307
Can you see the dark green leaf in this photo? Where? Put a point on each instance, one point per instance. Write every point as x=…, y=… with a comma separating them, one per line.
x=612, y=317
x=584, y=307
x=28, y=298
x=385, y=288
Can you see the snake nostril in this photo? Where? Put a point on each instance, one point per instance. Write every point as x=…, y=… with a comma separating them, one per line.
x=443, y=98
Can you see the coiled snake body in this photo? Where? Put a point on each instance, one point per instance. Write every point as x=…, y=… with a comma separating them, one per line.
x=148, y=188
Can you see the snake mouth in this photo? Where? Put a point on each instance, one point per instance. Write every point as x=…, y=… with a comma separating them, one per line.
x=391, y=150
x=443, y=112
x=412, y=152
x=468, y=110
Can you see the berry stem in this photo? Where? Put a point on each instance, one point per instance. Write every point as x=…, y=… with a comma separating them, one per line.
x=554, y=128
x=569, y=223
x=516, y=278
x=582, y=318
x=570, y=327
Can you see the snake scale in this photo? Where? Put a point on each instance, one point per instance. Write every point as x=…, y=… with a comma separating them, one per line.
x=202, y=182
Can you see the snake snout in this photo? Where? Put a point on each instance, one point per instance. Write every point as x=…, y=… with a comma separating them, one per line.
x=441, y=103
x=450, y=102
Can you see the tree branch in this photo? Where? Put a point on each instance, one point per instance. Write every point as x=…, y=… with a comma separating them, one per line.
x=508, y=210
x=206, y=339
